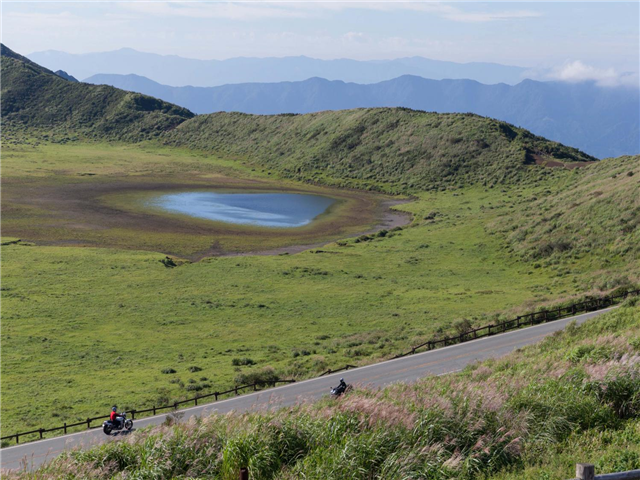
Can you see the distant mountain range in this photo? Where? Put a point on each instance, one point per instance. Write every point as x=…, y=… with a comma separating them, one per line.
x=602, y=121
x=178, y=71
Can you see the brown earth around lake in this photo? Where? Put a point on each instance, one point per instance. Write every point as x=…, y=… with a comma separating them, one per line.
x=109, y=212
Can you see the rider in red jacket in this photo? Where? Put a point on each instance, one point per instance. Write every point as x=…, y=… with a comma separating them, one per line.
x=115, y=416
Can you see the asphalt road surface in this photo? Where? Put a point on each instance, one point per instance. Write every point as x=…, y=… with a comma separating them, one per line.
x=407, y=369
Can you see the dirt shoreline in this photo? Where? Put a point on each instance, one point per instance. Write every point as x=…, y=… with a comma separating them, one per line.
x=76, y=212
x=391, y=219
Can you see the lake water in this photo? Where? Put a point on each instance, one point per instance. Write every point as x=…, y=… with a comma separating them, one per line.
x=264, y=209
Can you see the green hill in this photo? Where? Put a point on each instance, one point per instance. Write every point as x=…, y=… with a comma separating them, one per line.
x=391, y=149
x=589, y=219
x=37, y=101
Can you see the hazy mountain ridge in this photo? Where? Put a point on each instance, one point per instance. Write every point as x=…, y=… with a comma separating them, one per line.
x=178, y=71
x=603, y=121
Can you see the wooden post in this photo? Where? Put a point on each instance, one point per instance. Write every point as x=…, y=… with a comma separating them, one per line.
x=88, y=423
x=244, y=473
x=585, y=471
x=154, y=410
x=65, y=428
x=41, y=433
x=196, y=400
x=17, y=439
x=236, y=389
x=215, y=394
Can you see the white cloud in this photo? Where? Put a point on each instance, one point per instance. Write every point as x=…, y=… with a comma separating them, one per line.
x=356, y=37
x=265, y=9
x=228, y=10
x=477, y=17
x=576, y=71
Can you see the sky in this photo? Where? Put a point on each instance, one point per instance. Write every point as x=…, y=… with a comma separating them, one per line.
x=575, y=39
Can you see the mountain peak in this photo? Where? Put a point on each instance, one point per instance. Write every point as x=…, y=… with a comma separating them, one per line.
x=65, y=75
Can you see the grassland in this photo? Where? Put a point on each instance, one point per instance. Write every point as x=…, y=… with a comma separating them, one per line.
x=74, y=318
x=531, y=415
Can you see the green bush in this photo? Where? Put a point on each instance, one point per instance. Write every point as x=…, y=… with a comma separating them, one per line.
x=236, y=362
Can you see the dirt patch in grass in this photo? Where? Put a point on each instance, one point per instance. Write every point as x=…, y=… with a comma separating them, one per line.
x=107, y=212
x=552, y=163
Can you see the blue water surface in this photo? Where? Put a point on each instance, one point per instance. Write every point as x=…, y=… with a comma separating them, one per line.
x=264, y=209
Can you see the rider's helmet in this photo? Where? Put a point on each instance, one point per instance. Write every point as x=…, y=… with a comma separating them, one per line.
x=342, y=379
x=114, y=408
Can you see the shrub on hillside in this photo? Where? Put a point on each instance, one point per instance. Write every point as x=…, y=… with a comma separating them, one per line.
x=237, y=362
x=262, y=377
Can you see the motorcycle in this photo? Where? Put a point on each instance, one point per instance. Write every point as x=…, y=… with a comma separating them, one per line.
x=340, y=389
x=126, y=423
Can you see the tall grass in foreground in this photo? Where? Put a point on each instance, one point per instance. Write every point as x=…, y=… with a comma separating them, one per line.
x=525, y=416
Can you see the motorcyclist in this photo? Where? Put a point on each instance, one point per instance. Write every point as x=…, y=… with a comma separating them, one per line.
x=115, y=417
x=343, y=385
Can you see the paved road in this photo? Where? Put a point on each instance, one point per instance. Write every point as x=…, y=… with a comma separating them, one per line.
x=407, y=369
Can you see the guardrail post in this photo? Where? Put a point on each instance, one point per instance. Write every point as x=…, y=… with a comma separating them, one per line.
x=244, y=473
x=17, y=439
x=585, y=471
x=196, y=400
x=40, y=431
x=65, y=428
x=236, y=389
x=154, y=409
x=88, y=423
x=255, y=387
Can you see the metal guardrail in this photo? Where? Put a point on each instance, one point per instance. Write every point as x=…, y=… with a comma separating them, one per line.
x=587, y=471
x=535, y=318
x=153, y=410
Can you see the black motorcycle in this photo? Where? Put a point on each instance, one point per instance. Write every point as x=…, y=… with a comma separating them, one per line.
x=340, y=389
x=124, y=424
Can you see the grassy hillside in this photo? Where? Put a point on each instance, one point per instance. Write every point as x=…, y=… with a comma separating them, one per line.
x=590, y=217
x=391, y=149
x=35, y=100
x=575, y=397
